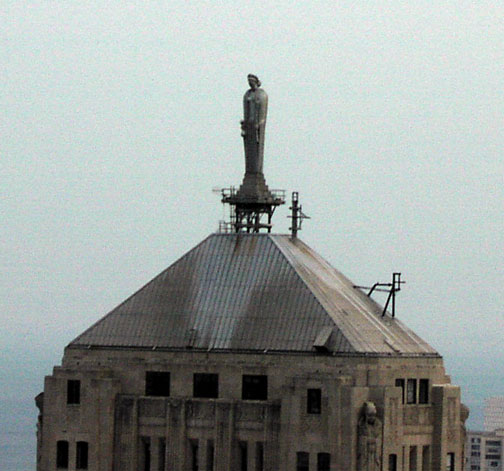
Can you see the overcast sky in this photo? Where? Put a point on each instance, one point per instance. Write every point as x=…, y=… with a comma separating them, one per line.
x=118, y=119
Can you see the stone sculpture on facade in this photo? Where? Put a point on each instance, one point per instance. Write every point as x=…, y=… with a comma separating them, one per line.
x=369, y=439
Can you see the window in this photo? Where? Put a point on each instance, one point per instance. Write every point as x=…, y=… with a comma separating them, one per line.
x=475, y=453
x=194, y=454
x=259, y=457
x=242, y=446
x=314, y=401
x=62, y=454
x=492, y=457
x=145, y=454
x=399, y=382
x=157, y=383
x=475, y=447
x=302, y=461
x=423, y=391
x=206, y=385
x=210, y=455
x=493, y=443
x=162, y=454
x=413, y=458
x=81, y=461
x=411, y=391
x=450, y=462
x=392, y=462
x=323, y=462
x=73, y=391
x=255, y=387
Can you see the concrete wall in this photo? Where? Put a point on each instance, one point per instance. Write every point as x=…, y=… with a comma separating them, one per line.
x=120, y=423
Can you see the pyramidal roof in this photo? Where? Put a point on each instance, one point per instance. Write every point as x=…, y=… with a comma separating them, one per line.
x=253, y=292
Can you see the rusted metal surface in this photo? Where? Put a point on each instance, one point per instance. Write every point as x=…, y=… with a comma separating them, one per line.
x=252, y=292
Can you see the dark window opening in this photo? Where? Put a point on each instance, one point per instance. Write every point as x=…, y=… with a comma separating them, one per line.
x=413, y=458
x=206, y=385
x=210, y=455
x=411, y=391
x=194, y=455
x=73, y=391
x=392, y=462
x=62, y=454
x=259, y=457
x=302, y=461
x=157, y=383
x=426, y=457
x=423, y=391
x=399, y=382
x=323, y=462
x=81, y=461
x=243, y=456
x=255, y=387
x=162, y=454
x=314, y=401
x=450, y=462
x=145, y=457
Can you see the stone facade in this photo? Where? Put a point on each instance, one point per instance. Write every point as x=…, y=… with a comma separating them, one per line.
x=416, y=429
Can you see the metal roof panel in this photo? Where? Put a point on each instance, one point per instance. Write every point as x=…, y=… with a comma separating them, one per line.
x=251, y=292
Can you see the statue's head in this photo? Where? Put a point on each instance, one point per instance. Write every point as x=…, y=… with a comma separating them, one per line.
x=253, y=81
x=370, y=412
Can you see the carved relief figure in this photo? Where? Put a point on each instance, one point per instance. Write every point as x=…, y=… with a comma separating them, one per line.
x=253, y=125
x=369, y=446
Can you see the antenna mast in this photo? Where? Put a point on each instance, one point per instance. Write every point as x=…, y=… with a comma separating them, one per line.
x=297, y=215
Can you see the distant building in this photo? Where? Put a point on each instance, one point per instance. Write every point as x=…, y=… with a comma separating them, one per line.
x=494, y=413
x=250, y=353
x=484, y=451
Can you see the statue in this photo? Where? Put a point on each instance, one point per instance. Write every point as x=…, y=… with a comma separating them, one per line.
x=255, y=108
x=369, y=439
x=253, y=203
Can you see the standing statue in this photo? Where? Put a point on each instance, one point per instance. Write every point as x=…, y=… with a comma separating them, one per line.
x=253, y=126
x=369, y=439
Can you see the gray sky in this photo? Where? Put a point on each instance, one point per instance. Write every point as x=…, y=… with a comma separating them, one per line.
x=118, y=119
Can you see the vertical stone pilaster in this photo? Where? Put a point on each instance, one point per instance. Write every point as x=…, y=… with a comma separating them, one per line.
x=223, y=438
x=202, y=453
x=176, y=445
x=287, y=459
x=168, y=438
x=447, y=437
x=270, y=441
x=154, y=450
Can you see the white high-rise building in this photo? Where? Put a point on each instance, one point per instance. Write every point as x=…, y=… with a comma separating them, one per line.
x=494, y=413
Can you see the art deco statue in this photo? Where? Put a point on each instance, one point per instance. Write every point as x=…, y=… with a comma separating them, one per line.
x=369, y=439
x=255, y=108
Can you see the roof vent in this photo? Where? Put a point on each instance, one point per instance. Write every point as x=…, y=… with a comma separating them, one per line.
x=323, y=340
